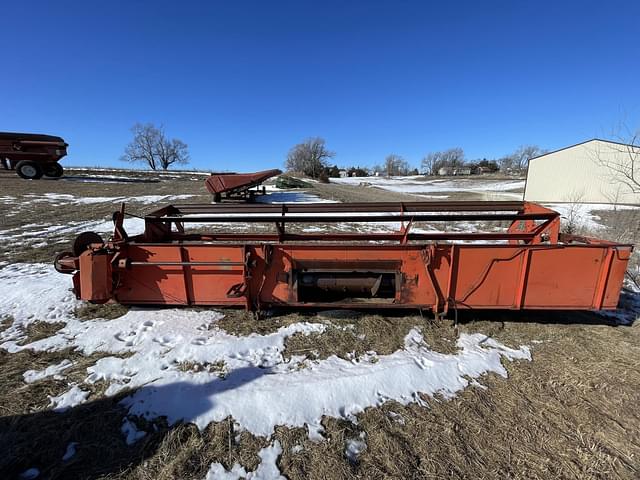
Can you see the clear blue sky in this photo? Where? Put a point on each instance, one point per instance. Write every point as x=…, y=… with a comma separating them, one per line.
x=242, y=81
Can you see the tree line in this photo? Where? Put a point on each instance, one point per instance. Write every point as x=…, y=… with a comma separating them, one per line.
x=150, y=145
x=313, y=159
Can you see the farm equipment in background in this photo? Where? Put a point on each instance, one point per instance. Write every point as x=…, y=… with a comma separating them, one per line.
x=238, y=186
x=520, y=262
x=32, y=155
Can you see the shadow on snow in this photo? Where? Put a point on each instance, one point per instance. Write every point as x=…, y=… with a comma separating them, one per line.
x=39, y=440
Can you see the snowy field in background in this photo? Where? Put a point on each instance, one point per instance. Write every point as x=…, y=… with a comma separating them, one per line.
x=438, y=188
x=40, y=233
x=260, y=390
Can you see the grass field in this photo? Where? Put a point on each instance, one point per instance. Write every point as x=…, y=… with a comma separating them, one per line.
x=572, y=411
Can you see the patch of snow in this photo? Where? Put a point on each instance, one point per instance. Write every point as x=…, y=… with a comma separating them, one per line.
x=67, y=199
x=30, y=474
x=31, y=376
x=158, y=341
x=582, y=214
x=419, y=185
x=291, y=196
x=70, y=452
x=396, y=417
x=218, y=472
x=131, y=432
x=315, y=431
x=354, y=447
x=33, y=292
x=267, y=469
x=71, y=398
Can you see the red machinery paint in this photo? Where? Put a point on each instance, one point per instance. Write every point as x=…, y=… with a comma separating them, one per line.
x=237, y=185
x=520, y=261
x=32, y=155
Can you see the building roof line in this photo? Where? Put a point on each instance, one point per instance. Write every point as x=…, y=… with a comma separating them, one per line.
x=595, y=139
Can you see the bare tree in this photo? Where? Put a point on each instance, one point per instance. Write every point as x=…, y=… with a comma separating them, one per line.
x=428, y=164
x=396, y=165
x=310, y=157
x=622, y=160
x=573, y=221
x=151, y=146
x=451, y=158
x=518, y=160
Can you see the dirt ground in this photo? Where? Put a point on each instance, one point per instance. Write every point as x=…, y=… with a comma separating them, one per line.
x=573, y=412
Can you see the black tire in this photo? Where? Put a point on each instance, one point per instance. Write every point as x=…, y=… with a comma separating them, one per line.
x=82, y=242
x=217, y=197
x=53, y=170
x=29, y=170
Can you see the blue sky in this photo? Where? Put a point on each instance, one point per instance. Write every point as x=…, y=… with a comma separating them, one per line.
x=241, y=82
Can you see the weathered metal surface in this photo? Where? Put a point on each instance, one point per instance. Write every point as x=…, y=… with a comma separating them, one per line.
x=236, y=184
x=521, y=261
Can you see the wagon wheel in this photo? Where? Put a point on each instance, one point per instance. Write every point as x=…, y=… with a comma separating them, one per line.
x=29, y=170
x=82, y=242
x=53, y=170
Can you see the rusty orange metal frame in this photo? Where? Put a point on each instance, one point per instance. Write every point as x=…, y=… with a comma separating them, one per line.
x=238, y=185
x=521, y=261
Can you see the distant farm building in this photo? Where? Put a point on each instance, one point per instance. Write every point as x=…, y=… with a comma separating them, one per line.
x=462, y=171
x=448, y=171
x=595, y=171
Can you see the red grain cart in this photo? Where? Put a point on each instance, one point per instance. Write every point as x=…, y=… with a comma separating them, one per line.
x=238, y=185
x=32, y=155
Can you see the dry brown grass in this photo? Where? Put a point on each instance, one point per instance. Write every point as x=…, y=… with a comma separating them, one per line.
x=186, y=453
x=219, y=367
x=354, y=335
x=19, y=213
x=571, y=413
x=18, y=397
x=239, y=322
x=107, y=311
x=6, y=322
x=38, y=330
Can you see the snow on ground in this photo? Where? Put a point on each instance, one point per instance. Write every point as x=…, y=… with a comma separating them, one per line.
x=30, y=474
x=354, y=447
x=59, y=199
x=39, y=234
x=70, y=398
x=70, y=452
x=267, y=469
x=31, y=376
x=258, y=388
x=582, y=214
x=290, y=196
x=437, y=188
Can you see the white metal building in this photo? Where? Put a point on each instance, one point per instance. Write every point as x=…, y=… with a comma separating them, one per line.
x=595, y=171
